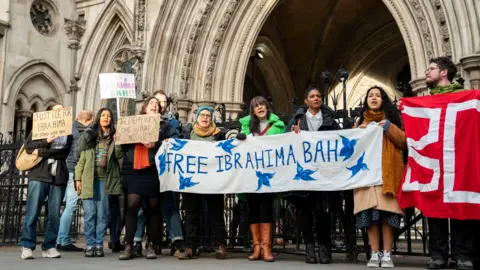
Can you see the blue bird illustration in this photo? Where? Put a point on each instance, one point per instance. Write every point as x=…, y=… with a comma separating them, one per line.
x=178, y=144
x=303, y=174
x=348, y=147
x=186, y=182
x=358, y=167
x=227, y=146
x=162, y=164
x=264, y=179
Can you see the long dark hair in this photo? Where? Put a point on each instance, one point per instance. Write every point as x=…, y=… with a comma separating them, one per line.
x=391, y=112
x=97, y=129
x=254, y=121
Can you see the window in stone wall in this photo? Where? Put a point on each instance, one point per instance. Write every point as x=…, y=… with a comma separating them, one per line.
x=43, y=14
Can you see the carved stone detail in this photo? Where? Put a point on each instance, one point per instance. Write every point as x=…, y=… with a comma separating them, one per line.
x=427, y=37
x=442, y=23
x=191, y=46
x=140, y=22
x=43, y=15
x=227, y=16
x=75, y=30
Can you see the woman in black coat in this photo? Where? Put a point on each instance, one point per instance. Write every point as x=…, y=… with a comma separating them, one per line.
x=315, y=116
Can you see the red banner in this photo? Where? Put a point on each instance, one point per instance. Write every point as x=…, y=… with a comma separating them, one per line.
x=442, y=177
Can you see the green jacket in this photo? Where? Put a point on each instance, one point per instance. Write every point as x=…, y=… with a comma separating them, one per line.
x=454, y=87
x=278, y=126
x=85, y=169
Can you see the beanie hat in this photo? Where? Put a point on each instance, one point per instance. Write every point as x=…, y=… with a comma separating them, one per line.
x=203, y=108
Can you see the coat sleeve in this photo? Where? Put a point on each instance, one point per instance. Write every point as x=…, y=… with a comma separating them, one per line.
x=118, y=151
x=31, y=145
x=80, y=166
x=291, y=123
x=245, y=130
x=397, y=136
x=58, y=154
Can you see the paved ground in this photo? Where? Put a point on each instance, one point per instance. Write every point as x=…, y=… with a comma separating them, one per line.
x=10, y=259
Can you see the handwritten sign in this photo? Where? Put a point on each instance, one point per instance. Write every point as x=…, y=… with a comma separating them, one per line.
x=113, y=85
x=138, y=128
x=52, y=123
x=323, y=161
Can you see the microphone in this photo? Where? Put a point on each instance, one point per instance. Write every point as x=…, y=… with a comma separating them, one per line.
x=241, y=137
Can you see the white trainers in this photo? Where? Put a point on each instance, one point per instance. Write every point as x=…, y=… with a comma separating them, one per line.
x=51, y=253
x=387, y=260
x=374, y=261
x=27, y=254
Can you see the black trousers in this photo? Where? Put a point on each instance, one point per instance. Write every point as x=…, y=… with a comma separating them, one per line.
x=192, y=205
x=462, y=238
x=116, y=219
x=310, y=210
x=260, y=207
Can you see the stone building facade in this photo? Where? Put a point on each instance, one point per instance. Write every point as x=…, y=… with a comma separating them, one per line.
x=222, y=52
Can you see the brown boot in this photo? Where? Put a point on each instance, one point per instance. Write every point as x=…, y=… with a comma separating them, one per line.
x=221, y=252
x=266, y=232
x=255, y=230
x=127, y=253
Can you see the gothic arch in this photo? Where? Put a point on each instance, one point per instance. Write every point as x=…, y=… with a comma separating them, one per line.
x=111, y=31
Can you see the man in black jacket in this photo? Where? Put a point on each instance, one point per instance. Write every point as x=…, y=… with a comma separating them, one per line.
x=64, y=242
x=47, y=179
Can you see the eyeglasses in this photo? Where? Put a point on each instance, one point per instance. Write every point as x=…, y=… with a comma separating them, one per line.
x=431, y=69
x=204, y=115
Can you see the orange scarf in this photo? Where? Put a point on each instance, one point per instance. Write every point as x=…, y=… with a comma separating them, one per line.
x=140, y=157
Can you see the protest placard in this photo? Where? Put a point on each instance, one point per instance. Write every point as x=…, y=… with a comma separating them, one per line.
x=138, y=129
x=117, y=85
x=52, y=123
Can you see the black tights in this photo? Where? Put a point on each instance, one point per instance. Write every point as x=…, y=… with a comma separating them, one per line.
x=151, y=207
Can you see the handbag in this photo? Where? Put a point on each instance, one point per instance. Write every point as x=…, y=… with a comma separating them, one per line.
x=26, y=161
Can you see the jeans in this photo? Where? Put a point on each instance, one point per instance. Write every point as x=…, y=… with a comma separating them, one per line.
x=96, y=215
x=172, y=216
x=140, y=232
x=71, y=198
x=37, y=192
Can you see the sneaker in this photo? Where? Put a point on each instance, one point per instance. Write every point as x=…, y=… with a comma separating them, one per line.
x=27, y=253
x=387, y=260
x=89, y=252
x=186, y=255
x=51, y=253
x=99, y=251
x=150, y=254
x=374, y=261
x=464, y=265
x=437, y=263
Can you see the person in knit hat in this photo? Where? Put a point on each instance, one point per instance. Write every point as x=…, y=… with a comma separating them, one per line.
x=204, y=129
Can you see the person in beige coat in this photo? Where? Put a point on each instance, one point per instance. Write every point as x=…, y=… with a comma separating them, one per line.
x=377, y=207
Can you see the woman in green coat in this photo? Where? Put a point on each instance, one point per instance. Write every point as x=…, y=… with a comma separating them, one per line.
x=261, y=122
x=97, y=174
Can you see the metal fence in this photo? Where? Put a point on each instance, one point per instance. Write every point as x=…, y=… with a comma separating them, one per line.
x=410, y=239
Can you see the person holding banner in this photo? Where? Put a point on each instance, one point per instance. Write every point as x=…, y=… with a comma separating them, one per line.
x=143, y=190
x=376, y=208
x=314, y=117
x=48, y=178
x=261, y=122
x=97, y=175
x=204, y=129
x=439, y=76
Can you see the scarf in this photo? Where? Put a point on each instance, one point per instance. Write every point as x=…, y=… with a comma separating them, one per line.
x=205, y=132
x=392, y=163
x=58, y=143
x=107, y=141
x=140, y=157
x=446, y=89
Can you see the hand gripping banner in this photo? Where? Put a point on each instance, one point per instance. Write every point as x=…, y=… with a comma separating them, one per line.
x=442, y=177
x=330, y=160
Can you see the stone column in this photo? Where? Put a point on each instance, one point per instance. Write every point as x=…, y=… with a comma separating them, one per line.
x=419, y=86
x=75, y=30
x=471, y=64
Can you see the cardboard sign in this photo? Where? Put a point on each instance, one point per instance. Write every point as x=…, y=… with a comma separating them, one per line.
x=113, y=85
x=52, y=123
x=138, y=129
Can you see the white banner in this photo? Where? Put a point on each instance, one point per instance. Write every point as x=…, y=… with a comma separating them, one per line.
x=328, y=160
x=113, y=85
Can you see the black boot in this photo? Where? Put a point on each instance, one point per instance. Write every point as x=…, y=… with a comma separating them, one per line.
x=137, y=249
x=311, y=255
x=324, y=254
